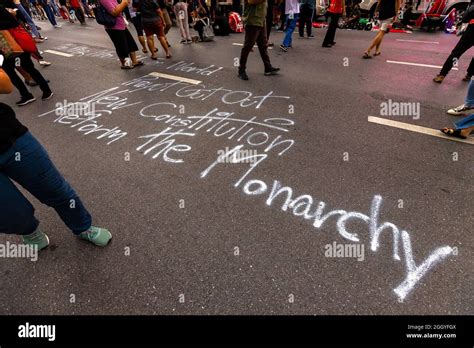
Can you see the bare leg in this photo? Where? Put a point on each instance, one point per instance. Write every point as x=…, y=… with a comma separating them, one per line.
x=143, y=43
x=376, y=41
x=377, y=46
x=133, y=57
x=151, y=45
x=164, y=44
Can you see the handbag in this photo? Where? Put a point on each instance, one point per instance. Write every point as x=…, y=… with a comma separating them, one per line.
x=208, y=32
x=8, y=46
x=103, y=17
x=24, y=39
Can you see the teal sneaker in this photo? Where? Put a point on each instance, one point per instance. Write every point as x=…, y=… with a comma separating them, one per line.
x=96, y=235
x=37, y=238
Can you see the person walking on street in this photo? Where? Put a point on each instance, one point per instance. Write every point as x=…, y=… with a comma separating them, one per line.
x=255, y=32
x=123, y=41
x=37, y=174
x=136, y=19
x=77, y=8
x=465, y=42
x=306, y=17
x=387, y=14
x=153, y=24
x=8, y=21
x=335, y=10
x=292, y=11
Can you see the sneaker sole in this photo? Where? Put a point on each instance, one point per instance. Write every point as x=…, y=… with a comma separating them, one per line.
x=27, y=102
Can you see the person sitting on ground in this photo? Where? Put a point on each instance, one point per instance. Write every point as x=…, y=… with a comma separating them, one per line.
x=37, y=174
x=199, y=20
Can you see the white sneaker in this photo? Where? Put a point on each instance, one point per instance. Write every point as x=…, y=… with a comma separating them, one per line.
x=461, y=110
x=44, y=63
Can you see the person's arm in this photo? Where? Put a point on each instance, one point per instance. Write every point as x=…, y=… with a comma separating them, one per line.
x=6, y=86
x=117, y=10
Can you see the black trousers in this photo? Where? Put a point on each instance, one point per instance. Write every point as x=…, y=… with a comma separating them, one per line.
x=306, y=16
x=331, y=32
x=465, y=43
x=123, y=41
x=259, y=35
x=27, y=64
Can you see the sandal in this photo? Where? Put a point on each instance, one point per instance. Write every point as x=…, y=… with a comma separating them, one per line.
x=377, y=54
x=453, y=133
x=366, y=55
x=144, y=50
x=168, y=56
x=154, y=58
x=139, y=63
x=127, y=67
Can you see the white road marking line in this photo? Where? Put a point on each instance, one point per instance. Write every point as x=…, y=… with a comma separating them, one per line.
x=418, y=41
x=175, y=78
x=417, y=64
x=59, y=53
x=255, y=46
x=417, y=129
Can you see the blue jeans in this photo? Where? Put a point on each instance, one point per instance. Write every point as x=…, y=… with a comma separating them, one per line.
x=29, y=20
x=291, y=25
x=466, y=122
x=469, y=101
x=50, y=14
x=28, y=164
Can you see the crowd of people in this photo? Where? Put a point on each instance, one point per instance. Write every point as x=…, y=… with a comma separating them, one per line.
x=19, y=36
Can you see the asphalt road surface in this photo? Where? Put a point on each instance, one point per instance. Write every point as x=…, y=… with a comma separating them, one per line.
x=225, y=240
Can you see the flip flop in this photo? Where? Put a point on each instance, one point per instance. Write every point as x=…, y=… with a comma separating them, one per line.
x=453, y=133
x=144, y=51
x=168, y=56
x=140, y=63
x=377, y=54
x=154, y=58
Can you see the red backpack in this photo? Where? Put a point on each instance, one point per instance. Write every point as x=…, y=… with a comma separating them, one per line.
x=235, y=23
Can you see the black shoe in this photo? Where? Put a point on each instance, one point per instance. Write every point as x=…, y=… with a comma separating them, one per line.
x=333, y=43
x=26, y=100
x=272, y=71
x=47, y=95
x=327, y=45
x=243, y=75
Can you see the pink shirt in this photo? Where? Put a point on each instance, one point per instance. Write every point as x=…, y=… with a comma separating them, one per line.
x=109, y=5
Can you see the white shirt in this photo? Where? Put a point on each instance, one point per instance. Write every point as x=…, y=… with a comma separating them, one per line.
x=292, y=6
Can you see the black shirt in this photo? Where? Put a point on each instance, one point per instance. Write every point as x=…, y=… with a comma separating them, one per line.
x=387, y=9
x=10, y=128
x=148, y=9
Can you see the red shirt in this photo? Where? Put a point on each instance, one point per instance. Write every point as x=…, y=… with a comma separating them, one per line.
x=335, y=6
